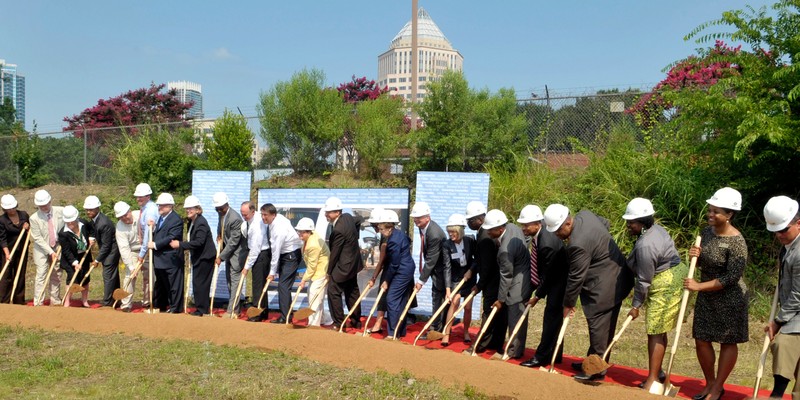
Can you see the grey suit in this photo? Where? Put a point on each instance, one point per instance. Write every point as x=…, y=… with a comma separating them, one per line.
x=232, y=253
x=599, y=275
x=788, y=315
x=516, y=288
x=435, y=268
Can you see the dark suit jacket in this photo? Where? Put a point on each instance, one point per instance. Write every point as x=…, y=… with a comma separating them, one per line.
x=398, y=262
x=487, y=265
x=434, y=263
x=597, y=269
x=551, y=263
x=456, y=270
x=201, y=244
x=345, y=260
x=165, y=257
x=69, y=247
x=106, y=235
x=514, y=262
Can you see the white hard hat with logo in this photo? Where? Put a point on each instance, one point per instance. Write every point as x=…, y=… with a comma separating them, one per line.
x=121, y=208
x=219, y=199
x=8, y=202
x=457, y=220
x=779, y=212
x=377, y=215
x=554, y=216
x=41, y=197
x=332, y=204
x=420, y=209
x=189, y=202
x=70, y=214
x=726, y=198
x=474, y=208
x=530, y=213
x=638, y=208
x=165, y=198
x=91, y=203
x=494, y=218
x=305, y=224
x=142, y=189
x=391, y=216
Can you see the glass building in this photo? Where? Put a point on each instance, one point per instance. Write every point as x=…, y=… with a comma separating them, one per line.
x=189, y=91
x=12, y=85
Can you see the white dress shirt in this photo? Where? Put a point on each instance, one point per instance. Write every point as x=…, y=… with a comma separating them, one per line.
x=284, y=240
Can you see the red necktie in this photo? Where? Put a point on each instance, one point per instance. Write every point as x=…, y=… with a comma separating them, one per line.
x=421, y=250
x=534, y=264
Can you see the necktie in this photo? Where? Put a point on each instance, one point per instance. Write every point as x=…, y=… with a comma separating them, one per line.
x=328, y=232
x=267, y=240
x=534, y=264
x=160, y=220
x=421, y=249
x=51, y=229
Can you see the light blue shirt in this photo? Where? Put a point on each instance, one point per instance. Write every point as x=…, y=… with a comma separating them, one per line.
x=149, y=212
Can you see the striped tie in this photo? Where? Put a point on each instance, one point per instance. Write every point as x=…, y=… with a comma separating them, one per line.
x=534, y=264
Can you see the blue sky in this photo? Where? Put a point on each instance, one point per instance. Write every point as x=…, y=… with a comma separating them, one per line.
x=76, y=52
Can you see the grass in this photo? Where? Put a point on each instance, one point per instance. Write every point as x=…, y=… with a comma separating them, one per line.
x=40, y=364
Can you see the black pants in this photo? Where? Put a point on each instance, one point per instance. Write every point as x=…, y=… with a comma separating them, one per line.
x=7, y=283
x=496, y=333
x=169, y=289
x=349, y=289
x=202, y=272
x=110, y=281
x=552, y=320
x=259, y=276
x=514, y=312
x=602, y=327
x=437, y=298
x=287, y=272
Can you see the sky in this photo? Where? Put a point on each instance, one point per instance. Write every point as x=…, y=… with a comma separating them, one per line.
x=75, y=52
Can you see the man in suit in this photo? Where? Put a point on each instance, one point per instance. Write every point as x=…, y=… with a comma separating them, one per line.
x=257, y=259
x=168, y=262
x=108, y=252
x=232, y=242
x=45, y=225
x=783, y=219
x=344, y=263
x=516, y=286
x=431, y=263
x=597, y=273
x=549, y=270
x=286, y=244
x=488, y=280
x=129, y=243
x=202, y=252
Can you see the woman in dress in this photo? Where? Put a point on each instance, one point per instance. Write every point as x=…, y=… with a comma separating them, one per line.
x=459, y=251
x=721, y=309
x=315, y=256
x=660, y=274
x=398, y=275
x=12, y=222
x=75, y=240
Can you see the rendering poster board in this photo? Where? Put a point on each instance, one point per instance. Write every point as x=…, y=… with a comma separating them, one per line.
x=295, y=204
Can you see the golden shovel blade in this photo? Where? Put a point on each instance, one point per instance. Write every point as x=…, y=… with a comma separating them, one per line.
x=302, y=314
x=253, y=312
x=594, y=365
x=75, y=288
x=433, y=335
x=657, y=388
x=119, y=294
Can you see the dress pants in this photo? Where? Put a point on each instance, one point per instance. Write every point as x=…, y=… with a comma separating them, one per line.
x=349, y=289
x=552, y=320
x=169, y=289
x=515, y=312
x=287, y=273
x=202, y=273
x=42, y=262
x=143, y=273
x=320, y=316
x=396, y=299
x=110, y=281
x=495, y=335
x=233, y=274
x=259, y=276
x=7, y=283
x=437, y=298
x=602, y=327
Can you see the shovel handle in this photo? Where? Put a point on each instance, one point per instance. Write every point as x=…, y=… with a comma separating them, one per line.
x=372, y=311
x=765, y=348
x=438, y=311
x=291, y=306
x=460, y=308
x=236, y=298
x=517, y=327
x=355, y=306
x=617, y=336
x=484, y=328
x=80, y=263
x=150, y=267
x=405, y=311
x=11, y=255
x=558, y=343
x=49, y=272
x=214, y=280
x=22, y=258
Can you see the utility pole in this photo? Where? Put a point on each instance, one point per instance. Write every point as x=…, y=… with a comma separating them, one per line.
x=414, y=63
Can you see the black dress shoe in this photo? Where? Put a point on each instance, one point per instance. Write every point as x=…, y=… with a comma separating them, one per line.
x=534, y=363
x=701, y=396
x=577, y=366
x=196, y=313
x=280, y=320
x=590, y=378
x=257, y=318
x=356, y=325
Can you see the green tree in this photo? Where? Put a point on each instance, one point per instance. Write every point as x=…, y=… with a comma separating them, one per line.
x=231, y=144
x=303, y=121
x=377, y=131
x=8, y=128
x=29, y=158
x=162, y=158
x=65, y=160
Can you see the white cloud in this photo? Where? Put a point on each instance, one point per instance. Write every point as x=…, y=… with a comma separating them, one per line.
x=222, y=53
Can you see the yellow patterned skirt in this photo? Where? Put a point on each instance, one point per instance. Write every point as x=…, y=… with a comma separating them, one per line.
x=664, y=299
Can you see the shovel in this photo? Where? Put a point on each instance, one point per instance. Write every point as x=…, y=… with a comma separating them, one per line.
x=560, y=339
x=372, y=311
x=437, y=335
x=484, y=328
x=594, y=364
x=255, y=311
x=215, y=277
x=405, y=311
x=291, y=306
x=355, y=306
x=668, y=389
x=22, y=258
x=150, y=268
x=765, y=348
x=458, y=310
x=49, y=272
x=517, y=327
x=72, y=287
x=306, y=312
x=236, y=298
x=120, y=294
x=11, y=256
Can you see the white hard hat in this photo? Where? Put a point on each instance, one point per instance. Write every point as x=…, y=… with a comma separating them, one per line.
x=121, y=208
x=554, y=216
x=41, y=197
x=456, y=220
x=91, y=202
x=142, y=189
x=779, y=212
x=189, y=202
x=391, y=216
x=530, y=213
x=638, y=208
x=494, y=218
x=420, y=209
x=70, y=214
x=219, y=199
x=305, y=224
x=726, y=198
x=8, y=202
x=332, y=204
x=378, y=214
x=475, y=208
x=165, y=198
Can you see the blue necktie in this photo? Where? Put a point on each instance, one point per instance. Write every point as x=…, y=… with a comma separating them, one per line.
x=160, y=220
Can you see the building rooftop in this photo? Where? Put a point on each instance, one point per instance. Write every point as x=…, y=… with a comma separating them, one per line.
x=428, y=33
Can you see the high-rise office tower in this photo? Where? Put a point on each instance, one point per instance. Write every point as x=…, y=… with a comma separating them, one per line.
x=189, y=91
x=12, y=85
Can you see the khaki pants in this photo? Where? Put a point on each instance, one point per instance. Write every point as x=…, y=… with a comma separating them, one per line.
x=42, y=262
x=144, y=273
x=785, y=359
